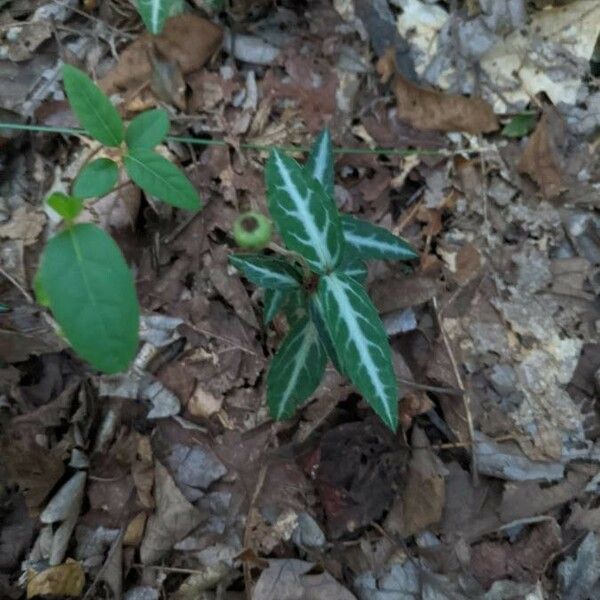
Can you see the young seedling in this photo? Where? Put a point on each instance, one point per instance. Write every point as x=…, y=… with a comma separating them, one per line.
x=83, y=277
x=321, y=288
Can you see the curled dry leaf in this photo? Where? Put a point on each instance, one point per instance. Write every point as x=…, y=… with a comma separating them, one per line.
x=187, y=40
x=430, y=109
x=542, y=159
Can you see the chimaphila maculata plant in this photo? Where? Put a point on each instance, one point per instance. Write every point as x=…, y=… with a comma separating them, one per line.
x=318, y=285
x=83, y=277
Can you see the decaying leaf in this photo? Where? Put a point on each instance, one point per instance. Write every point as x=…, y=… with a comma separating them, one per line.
x=430, y=109
x=542, y=159
x=186, y=39
x=288, y=580
x=423, y=497
x=67, y=579
x=25, y=225
x=173, y=519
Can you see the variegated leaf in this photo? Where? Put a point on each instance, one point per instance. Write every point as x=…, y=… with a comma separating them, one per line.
x=305, y=215
x=316, y=314
x=361, y=343
x=292, y=302
x=266, y=271
x=295, y=370
x=370, y=241
x=154, y=13
x=352, y=266
x=320, y=162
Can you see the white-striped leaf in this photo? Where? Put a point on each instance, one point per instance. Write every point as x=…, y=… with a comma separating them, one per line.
x=296, y=370
x=320, y=162
x=305, y=215
x=370, y=241
x=292, y=302
x=266, y=271
x=273, y=301
x=154, y=13
x=352, y=266
x=316, y=315
x=361, y=343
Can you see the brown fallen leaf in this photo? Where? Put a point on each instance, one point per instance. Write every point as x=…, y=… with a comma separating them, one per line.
x=422, y=500
x=542, y=157
x=523, y=560
x=67, y=579
x=24, y=225
x=174, y=518
x=430, y=109
x=186, y=39
x=35, y=469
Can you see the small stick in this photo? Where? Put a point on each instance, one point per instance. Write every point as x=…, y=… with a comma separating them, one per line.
x=466, y=399
x=21, y=289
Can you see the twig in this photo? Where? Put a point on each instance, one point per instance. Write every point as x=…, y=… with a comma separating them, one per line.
x=257, y=489
x=466, y=399
x=431, y=388
x=21, y=289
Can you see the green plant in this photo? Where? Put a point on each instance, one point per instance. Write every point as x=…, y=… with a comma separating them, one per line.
x=318, y=285
x=154, y=13
x=83, y=277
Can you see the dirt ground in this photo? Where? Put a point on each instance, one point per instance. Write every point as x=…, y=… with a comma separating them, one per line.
x=468, y=127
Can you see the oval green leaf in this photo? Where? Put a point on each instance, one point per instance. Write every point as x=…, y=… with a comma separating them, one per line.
x=91, y=293
x=97, y=178
x=91, y=106
x=148, y=129
x=66, y=206
x=160, y=178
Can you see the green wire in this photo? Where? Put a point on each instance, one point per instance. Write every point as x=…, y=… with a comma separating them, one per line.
x=245, y=146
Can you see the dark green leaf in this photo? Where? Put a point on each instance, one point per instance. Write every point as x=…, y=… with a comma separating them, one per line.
x=320, y=162
x=295, y=370
x=316, y=315
x=266, y=271
x=353, y=267
x=273, y=301
x=369, y=241
x=520, y=125
x=148, y=129
x=305, y=215
x=96, y=179
x=90, y=290
x=160, y=178
x=361, y=343
x=154, y=13
x=92, y=108
x=66, y=206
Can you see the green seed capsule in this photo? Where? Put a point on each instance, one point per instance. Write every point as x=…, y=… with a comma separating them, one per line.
x=252, y=230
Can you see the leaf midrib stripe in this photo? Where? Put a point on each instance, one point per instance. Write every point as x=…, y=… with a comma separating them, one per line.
x=154, y=173
x=300, y=359
x=90, y=103
x=321, y=160
x=307, y=218
x=345, y=308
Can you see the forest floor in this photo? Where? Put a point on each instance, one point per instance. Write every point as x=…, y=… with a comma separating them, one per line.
x=469, y=128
